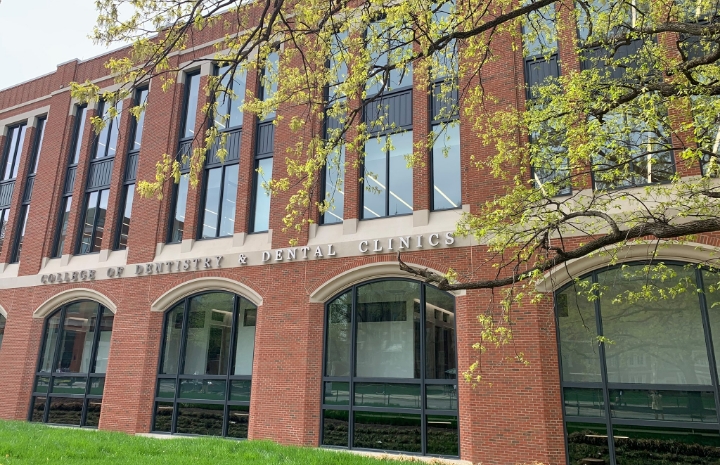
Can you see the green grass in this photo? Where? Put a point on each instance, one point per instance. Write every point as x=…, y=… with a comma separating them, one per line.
x=30, y=443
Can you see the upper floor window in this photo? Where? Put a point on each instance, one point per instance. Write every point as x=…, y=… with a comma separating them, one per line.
x=106, y=142
x=192, y=90
x=389, y=45
x=229, y=113
x=93, y=226
x=13, y=151
x=3, y=322
x=388, y=181
x=78, y=132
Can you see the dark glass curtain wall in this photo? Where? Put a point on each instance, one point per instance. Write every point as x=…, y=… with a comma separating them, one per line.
x=648, y=394
x=385, y=385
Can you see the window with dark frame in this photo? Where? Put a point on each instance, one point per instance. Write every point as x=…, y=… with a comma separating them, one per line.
x=72, y=363
x=12, y=154
x=66, y=201
x=264, y=150
x=28, y=189
x=221, y=176
x=390, y=369
x=97, y=187
x=128, y=188
x=3, y=322
x=187, y=135
x=205, y=368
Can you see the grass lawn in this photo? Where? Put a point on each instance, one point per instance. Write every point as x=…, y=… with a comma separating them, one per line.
x=25, y=443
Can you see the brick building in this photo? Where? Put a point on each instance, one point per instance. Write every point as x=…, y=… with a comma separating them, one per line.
x=192, y=315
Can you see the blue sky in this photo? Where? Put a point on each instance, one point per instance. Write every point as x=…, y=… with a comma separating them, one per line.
x=37, y=35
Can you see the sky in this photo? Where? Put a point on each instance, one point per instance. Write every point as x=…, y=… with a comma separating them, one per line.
x=38, y=35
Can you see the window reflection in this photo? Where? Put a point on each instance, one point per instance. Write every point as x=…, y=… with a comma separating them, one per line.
x=388, y=181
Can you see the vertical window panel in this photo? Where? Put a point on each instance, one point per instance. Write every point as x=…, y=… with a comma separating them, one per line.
x=227, y=211
x=335, y=186
x=106, y=141
x=103, y=347
x=375, y=182
x=388, y=189
x=245, y=338
x=40, y=130
x=440, y=340
x=578, y=334
x=78, y=334
x=261, y=218
x=139, y=122
x=339, y=336
x=126, y=208
x=14, y=151
x=173, y=339
x=78, y=136
x=3, y=322
x=400, y=179
x=446, y=168
x=91, y=208
x=207, y=348
x=4, y=217
x=192, y=89
x=212, y=203
x=24, y=213
x=62, y=229
x=178, y=220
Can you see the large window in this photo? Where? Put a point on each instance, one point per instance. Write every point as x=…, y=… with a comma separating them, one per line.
x=221, y=175
x=187, y=135
x=390, y=374
x=72, y=365
x=66, y=202
x=388, y=179
x=648, y=395
x=94, y=221
x=264, y=150
x=205, y=368
x=128, y=195
x=3, y=322
x=10, y=165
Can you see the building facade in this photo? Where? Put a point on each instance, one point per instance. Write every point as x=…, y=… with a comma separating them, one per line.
x=192, y=314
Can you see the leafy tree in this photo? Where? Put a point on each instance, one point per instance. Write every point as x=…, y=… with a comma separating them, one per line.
x=587, y=165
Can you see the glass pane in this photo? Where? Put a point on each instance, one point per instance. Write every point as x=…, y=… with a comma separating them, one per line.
x=388, y=327
x=23, y=221
x=11, y=150
x=77, y=337
x=262, y=197
x=166, y=388
x=100, y=223
x=337, y=357
x=80, y=130
x=442, y=435
x=18, y=153
x=38, y=145
x=640, y=404
x=69, y=385
x=446, y=168
x=388, y=431
x=92, y=412
x=64, y=217
x=89, y=222
x=2, y=329
x=42, y=384
x=163, y=417
x=207, y=349
x=127, y=209
x=440, y=343
x=655, y=342
x=65, y=411
x=205, y=389
x=587, y=441
x=227, y=216
x=103, y=349
x=203, y=419
x=173, y=335
x=334, y=186
x=4, y=216
x=114, y=131
x=240, y=391
x=660, y=446
x=387, y=395
x=578, y=334
x=191, y=101
x=140, y=122
x=336, y=393
x=102, y=137
x=581, y=402
x=238, y=88
x=269, y=78
x=97, y=386
x=401, y=176
x=711, y=283
x=245, y=340
x=212, y=203
x=375, y=178
x=335, y=428
x=238, y=421
x=38, y=409
x=52, y=329
x=441, y=397
x=180, y=205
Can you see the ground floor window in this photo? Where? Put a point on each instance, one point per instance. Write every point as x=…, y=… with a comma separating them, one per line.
x=390, y=374
x=204, y=377
x=649, y=393
x=73, y=360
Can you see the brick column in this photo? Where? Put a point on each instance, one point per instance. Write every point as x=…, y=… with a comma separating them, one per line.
x=422, y=185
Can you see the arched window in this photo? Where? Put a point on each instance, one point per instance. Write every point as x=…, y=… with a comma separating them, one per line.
x=205, y=366
x=3, y=321
x=385, y=386
x=648, y=393
x=71, y=369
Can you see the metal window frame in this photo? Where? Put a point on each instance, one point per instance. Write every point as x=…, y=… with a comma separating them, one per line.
x=181, y=355
x=110, y=125
x=16, y=156
x=352, y=379
x=90, y=375
x=86, y=207
x=608, y=421
x=361, y=204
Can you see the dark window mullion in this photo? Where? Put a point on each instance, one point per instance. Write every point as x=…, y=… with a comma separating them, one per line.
x=423, y=419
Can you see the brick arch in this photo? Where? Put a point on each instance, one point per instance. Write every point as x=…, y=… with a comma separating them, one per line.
x=334, y=282
x=209, y=283
x=64, y=297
